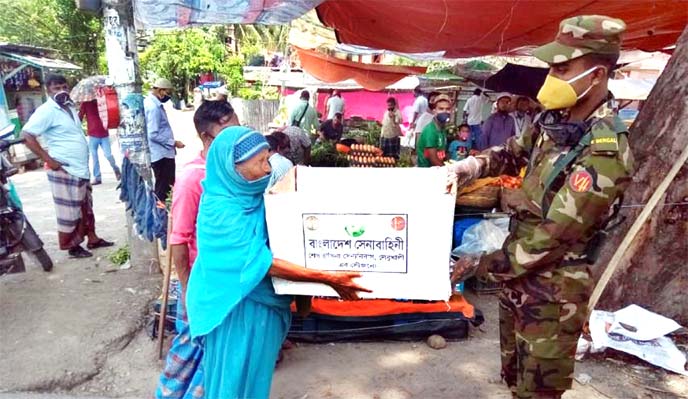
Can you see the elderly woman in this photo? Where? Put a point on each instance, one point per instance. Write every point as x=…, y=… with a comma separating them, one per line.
x=231, y=301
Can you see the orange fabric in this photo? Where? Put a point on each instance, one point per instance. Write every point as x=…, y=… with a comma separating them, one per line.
x=372, y=77
x=482, y=27
x=383, y=307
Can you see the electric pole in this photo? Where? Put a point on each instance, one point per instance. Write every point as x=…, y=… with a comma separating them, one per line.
x=123, y=66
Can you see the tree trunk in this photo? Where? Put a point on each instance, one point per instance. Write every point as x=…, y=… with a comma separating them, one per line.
x=654, y=272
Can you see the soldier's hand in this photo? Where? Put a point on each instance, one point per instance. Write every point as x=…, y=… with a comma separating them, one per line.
x=465, y=268
x=466, y=170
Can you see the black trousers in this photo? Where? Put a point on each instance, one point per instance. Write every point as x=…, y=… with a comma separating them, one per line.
x=163, y=170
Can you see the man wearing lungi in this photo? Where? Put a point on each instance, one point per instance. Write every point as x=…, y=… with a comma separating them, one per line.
x=67, y=162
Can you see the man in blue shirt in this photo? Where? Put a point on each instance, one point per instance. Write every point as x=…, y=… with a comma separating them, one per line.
x=279, y=145
x=499, y=126
x=161, y=142
x=67, y=159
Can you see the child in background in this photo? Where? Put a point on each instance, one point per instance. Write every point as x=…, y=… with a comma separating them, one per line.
x=461, y=146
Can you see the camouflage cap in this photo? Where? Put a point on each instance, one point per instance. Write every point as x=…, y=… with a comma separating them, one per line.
x=441, y=97
x=581, y=35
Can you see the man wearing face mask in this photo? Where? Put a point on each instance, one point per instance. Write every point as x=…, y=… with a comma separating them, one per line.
x=181, y=377
x=432, y=145
x=67, y=163
x=161, y=142
x=522, y=120
x=499, y=126
x=578, y=164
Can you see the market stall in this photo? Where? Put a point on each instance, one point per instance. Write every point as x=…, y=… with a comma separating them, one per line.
x=23, y=69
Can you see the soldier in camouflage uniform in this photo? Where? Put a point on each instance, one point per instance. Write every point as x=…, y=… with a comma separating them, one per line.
x=578, y=165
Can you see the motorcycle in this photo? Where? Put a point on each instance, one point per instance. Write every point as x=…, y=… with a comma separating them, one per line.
x=16, y=233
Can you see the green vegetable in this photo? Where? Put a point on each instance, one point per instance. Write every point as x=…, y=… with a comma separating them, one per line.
x=326, y=155
x=120, y=256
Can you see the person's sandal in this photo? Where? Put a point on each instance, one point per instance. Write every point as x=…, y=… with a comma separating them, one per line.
x=99, y=244
x=78, y=253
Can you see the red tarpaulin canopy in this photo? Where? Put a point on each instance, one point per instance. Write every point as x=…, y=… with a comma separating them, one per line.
x=466, y=28
x=371, y=76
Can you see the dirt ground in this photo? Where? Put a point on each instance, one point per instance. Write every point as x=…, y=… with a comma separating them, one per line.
x=78, y=332
x=398, y=370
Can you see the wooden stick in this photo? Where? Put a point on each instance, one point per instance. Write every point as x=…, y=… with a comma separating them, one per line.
x=165, y=289
x=633, y=231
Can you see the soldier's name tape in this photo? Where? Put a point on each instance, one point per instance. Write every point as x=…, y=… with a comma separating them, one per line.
x=605, y=140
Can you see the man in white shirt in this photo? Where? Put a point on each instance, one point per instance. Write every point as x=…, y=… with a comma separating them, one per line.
x=423, y=120
x=473, y=113
x=420, y=107
x=335, y=105
x=522, y=120
x=67, y=160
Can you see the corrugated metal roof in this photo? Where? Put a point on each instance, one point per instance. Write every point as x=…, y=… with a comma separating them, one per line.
x=41, y=62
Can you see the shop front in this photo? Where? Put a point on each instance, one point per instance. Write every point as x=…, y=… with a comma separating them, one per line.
x=23, y=70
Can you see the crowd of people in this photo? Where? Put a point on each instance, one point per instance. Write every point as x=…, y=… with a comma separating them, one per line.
x=434, y=130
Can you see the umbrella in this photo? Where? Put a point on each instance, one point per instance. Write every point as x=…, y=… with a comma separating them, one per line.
x=86, y=89
x=518, y=79
x=475, y=70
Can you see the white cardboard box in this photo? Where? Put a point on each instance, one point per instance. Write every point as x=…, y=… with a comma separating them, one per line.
x=393, y=225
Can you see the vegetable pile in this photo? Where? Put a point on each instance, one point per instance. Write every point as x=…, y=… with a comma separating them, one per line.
x=325, y=155
x=507, y=181
x=369, y=156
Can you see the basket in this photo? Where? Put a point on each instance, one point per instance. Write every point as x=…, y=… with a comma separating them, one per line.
x=483, y=197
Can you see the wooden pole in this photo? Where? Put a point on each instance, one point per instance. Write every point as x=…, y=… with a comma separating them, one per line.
x=635, y=228
x=165, y=288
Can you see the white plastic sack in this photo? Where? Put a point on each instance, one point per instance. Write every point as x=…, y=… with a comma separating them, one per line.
x=660, y=351
x=486, y=237
x=641, y=324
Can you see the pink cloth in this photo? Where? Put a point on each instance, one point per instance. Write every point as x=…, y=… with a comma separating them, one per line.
x=186, y=197
x=366, y=104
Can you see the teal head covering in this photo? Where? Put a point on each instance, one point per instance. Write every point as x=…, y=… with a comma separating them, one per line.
x=233, y=254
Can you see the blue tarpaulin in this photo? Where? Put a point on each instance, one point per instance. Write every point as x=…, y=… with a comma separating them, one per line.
x=180, y=13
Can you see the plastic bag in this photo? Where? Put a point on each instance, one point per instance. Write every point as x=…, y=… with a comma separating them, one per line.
x=485, y=237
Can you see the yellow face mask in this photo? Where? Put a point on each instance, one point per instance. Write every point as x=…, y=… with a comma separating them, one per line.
x=556, y=93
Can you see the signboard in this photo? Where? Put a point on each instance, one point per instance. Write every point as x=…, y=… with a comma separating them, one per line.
x=373, y=243
x=393, y=226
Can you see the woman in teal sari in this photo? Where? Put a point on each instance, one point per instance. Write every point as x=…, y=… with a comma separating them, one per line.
x=231, y=302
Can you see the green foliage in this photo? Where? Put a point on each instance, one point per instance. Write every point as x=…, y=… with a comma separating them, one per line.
x=231, y=71
x=405, y=158
x=366, y=134
x=326, y=155
x=249, y=93
x=180, y=55
x=254, y=39
x=120, y=256
x=56, y=24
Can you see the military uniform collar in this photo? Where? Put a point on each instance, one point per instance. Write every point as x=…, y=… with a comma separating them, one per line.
x=606, y=111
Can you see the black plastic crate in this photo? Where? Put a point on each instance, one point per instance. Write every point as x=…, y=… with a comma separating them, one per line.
x=318, y=328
